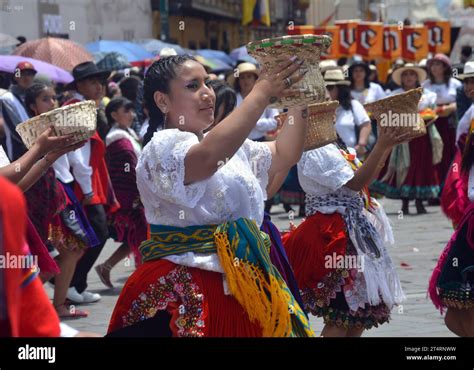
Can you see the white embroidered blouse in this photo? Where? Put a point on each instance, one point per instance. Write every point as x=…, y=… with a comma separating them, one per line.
x=237, y=189
x=325, y=171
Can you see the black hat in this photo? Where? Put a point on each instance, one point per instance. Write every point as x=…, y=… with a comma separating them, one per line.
x=358, y=63
x=86, y=70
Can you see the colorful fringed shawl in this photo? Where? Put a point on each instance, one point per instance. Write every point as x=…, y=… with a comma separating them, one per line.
x=244, y=253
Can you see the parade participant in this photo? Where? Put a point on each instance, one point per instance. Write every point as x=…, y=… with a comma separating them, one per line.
x=243, y=80
x=352, y=122
x=365, y=91
x=92, y=186
x=203, y=197
x=25, y=310
x=362, y=89
x=454, y=199
x=47, y=203
x=411, y=172
x=12, y=106
x=128, y=225
x=26, y=171
x=444, y=86
x=339, y=253
x=452, y=281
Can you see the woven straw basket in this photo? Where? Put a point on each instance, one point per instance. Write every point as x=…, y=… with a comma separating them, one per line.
x=272, y=52
x=321, y=130
x=402, y=107
x=79, y=119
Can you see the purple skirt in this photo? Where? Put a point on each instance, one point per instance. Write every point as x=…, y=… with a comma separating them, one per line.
x=78, y=225
x=279, y=258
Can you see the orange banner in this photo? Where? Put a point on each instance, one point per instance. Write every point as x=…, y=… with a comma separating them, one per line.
x=333, y=32
x=347, y=37
x=392, y=42
x=414, y=43
x=369, y=39
x=439, y=36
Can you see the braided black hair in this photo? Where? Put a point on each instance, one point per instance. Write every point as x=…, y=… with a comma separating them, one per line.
x=32, y=93
x=158, y=78
x=341, y=144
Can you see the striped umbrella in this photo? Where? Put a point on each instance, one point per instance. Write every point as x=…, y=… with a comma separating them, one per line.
x=59, y=52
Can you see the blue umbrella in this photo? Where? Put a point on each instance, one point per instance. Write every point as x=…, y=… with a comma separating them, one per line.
x=155, y=46
x=215, y=65
x=241, y=54
x=110, y=61
x=216, y=54
x=133, y=52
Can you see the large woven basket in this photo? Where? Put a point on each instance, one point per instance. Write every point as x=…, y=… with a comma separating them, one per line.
x=399, y=112
x=321, y=130
x=79, y=119
x=272, y=52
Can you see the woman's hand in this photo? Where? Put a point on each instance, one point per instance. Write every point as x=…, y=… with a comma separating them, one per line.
x=53, y=155
x=47, y=142
x=388, y=137
x=361, y=150
x=277, y=83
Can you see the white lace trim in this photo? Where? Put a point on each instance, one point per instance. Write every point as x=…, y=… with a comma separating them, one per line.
x=324, y=170
x=163, y=164
x=260, y=158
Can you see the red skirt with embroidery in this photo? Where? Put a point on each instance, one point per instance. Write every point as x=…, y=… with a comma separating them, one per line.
x=322, y=237
x=193, y=298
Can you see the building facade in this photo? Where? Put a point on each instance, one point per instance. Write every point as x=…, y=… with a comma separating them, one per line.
x=79, y=20
x=217, y=24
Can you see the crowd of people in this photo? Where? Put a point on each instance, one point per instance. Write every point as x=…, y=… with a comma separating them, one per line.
x=183, y=170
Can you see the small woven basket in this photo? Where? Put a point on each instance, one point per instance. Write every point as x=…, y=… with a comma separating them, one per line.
x=79, y=119
x=273, y=52
x=321, y=130
x=399, y=112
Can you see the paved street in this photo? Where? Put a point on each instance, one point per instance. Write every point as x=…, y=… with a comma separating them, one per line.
x=419, y=241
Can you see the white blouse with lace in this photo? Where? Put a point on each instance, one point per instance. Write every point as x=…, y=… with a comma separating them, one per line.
x=237, y=189
x=324, y=171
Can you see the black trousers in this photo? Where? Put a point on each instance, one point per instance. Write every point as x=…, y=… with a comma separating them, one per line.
x=98, y=220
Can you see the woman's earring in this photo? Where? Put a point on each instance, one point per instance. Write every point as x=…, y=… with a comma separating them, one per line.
x=165, y=117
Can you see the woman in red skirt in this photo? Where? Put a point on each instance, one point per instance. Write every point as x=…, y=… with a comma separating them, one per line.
x=339, y=253
x=206, y=267
x=411, y=172
x=444, y=86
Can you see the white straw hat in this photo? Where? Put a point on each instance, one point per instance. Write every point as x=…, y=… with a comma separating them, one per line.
x=335, y=77
x=397, y=74
x=468, y=71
